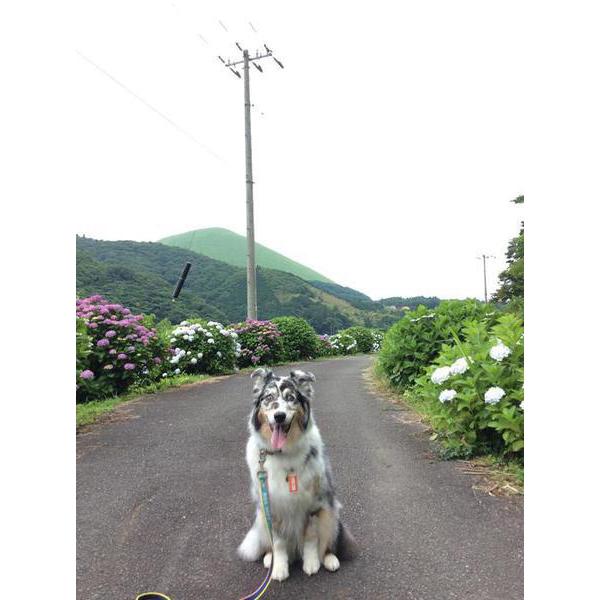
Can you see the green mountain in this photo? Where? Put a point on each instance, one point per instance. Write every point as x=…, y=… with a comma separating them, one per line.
x=229, y=247
x=142, y=275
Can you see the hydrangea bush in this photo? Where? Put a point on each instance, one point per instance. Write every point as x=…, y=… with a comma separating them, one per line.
x=121, y=349
x=259, y=343
x=344, y=343
x=325, y=347
x=475, y=389
x=298, y=338
x=377, y=338
x=202, y=347
x=414, y=341
x=363, y=337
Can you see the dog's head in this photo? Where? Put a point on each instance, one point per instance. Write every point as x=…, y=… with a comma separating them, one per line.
x=281, y=406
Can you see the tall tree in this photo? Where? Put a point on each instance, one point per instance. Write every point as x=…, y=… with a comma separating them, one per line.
x=512, y=279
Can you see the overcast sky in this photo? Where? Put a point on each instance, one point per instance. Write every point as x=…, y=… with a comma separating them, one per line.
x=385, y=153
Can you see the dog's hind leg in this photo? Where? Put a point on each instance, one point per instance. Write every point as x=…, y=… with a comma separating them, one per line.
x=328, y=529
x=256, y=542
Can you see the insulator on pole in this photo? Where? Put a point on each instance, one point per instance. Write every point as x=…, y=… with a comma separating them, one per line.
x=181, y=280
x=258, y=67
x=278, y=62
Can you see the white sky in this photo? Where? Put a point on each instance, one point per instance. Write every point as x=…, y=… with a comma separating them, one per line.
x=385, y=153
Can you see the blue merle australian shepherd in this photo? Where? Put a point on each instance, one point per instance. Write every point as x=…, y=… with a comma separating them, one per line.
x=306, y=520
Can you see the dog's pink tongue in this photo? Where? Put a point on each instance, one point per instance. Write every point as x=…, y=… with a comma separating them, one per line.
x=278, y=437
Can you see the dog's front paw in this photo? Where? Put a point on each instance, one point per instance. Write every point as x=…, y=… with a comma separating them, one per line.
x=331, y=562
x=267, y=560
x=311, y=564
x=249, y=549
x=280, y=571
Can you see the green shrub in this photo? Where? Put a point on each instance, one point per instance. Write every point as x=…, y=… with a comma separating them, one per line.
x=198, y=346
x=412, y=343
x=259, y=341
x=475, y=390
x=298, y=339
x=83, y=344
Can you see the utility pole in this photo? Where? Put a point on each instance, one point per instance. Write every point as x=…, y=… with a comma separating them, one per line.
x=252, y=309
x=484, y=257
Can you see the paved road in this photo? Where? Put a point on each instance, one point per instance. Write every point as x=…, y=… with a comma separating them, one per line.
x=163, y=502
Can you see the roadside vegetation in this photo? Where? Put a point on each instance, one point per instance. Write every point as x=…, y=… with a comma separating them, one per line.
x=460, y=366
x=120, y=356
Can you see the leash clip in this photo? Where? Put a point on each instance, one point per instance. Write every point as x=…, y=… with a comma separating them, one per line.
x=262, y=457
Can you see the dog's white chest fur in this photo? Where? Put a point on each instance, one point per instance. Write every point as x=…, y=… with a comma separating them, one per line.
x=306, y=462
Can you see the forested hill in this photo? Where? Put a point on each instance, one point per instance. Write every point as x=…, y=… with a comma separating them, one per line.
x=142, y=275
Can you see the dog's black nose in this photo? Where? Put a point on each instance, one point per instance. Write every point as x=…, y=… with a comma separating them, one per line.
x=279, y=417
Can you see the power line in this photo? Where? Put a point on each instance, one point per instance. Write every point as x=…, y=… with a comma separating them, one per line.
x=152, y=108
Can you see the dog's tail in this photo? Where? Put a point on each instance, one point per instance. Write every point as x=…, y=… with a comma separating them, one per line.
x=346, y=547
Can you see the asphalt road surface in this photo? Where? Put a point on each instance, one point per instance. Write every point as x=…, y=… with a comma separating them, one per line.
x=163, y=501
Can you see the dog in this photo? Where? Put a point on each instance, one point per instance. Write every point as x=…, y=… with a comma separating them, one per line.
x=304, y=507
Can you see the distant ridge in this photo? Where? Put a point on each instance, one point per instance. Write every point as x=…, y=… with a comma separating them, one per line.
x=229, y=247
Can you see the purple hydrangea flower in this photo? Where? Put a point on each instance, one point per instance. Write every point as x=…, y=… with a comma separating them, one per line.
x=110, y=333
x=103, y=342
x=122, y=356
x=129, y=366
x=87, y=374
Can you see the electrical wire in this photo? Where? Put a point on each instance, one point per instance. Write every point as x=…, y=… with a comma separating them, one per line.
x=152, y=108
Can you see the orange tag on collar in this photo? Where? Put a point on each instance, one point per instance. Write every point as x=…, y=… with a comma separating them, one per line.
x=293, y=482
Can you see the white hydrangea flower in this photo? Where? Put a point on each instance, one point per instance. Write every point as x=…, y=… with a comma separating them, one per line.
x=499, y=351
x=177, y=371
x=440, y=375
x=219, y=354
x=225, y=332
x=210, y=341
x=164, y=374
x=447, y=395
x=188, y=353
x=494, y=395
x=200, y=355
x=194, y=361
x=172, y=340
x=459, y=366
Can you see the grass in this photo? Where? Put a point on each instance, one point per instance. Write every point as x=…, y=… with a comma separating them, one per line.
x=91, y=412
x=502, y=477
x=229, y=247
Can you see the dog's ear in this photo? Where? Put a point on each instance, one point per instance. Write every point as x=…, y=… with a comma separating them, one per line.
x=260, y=378
x=303, y=381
